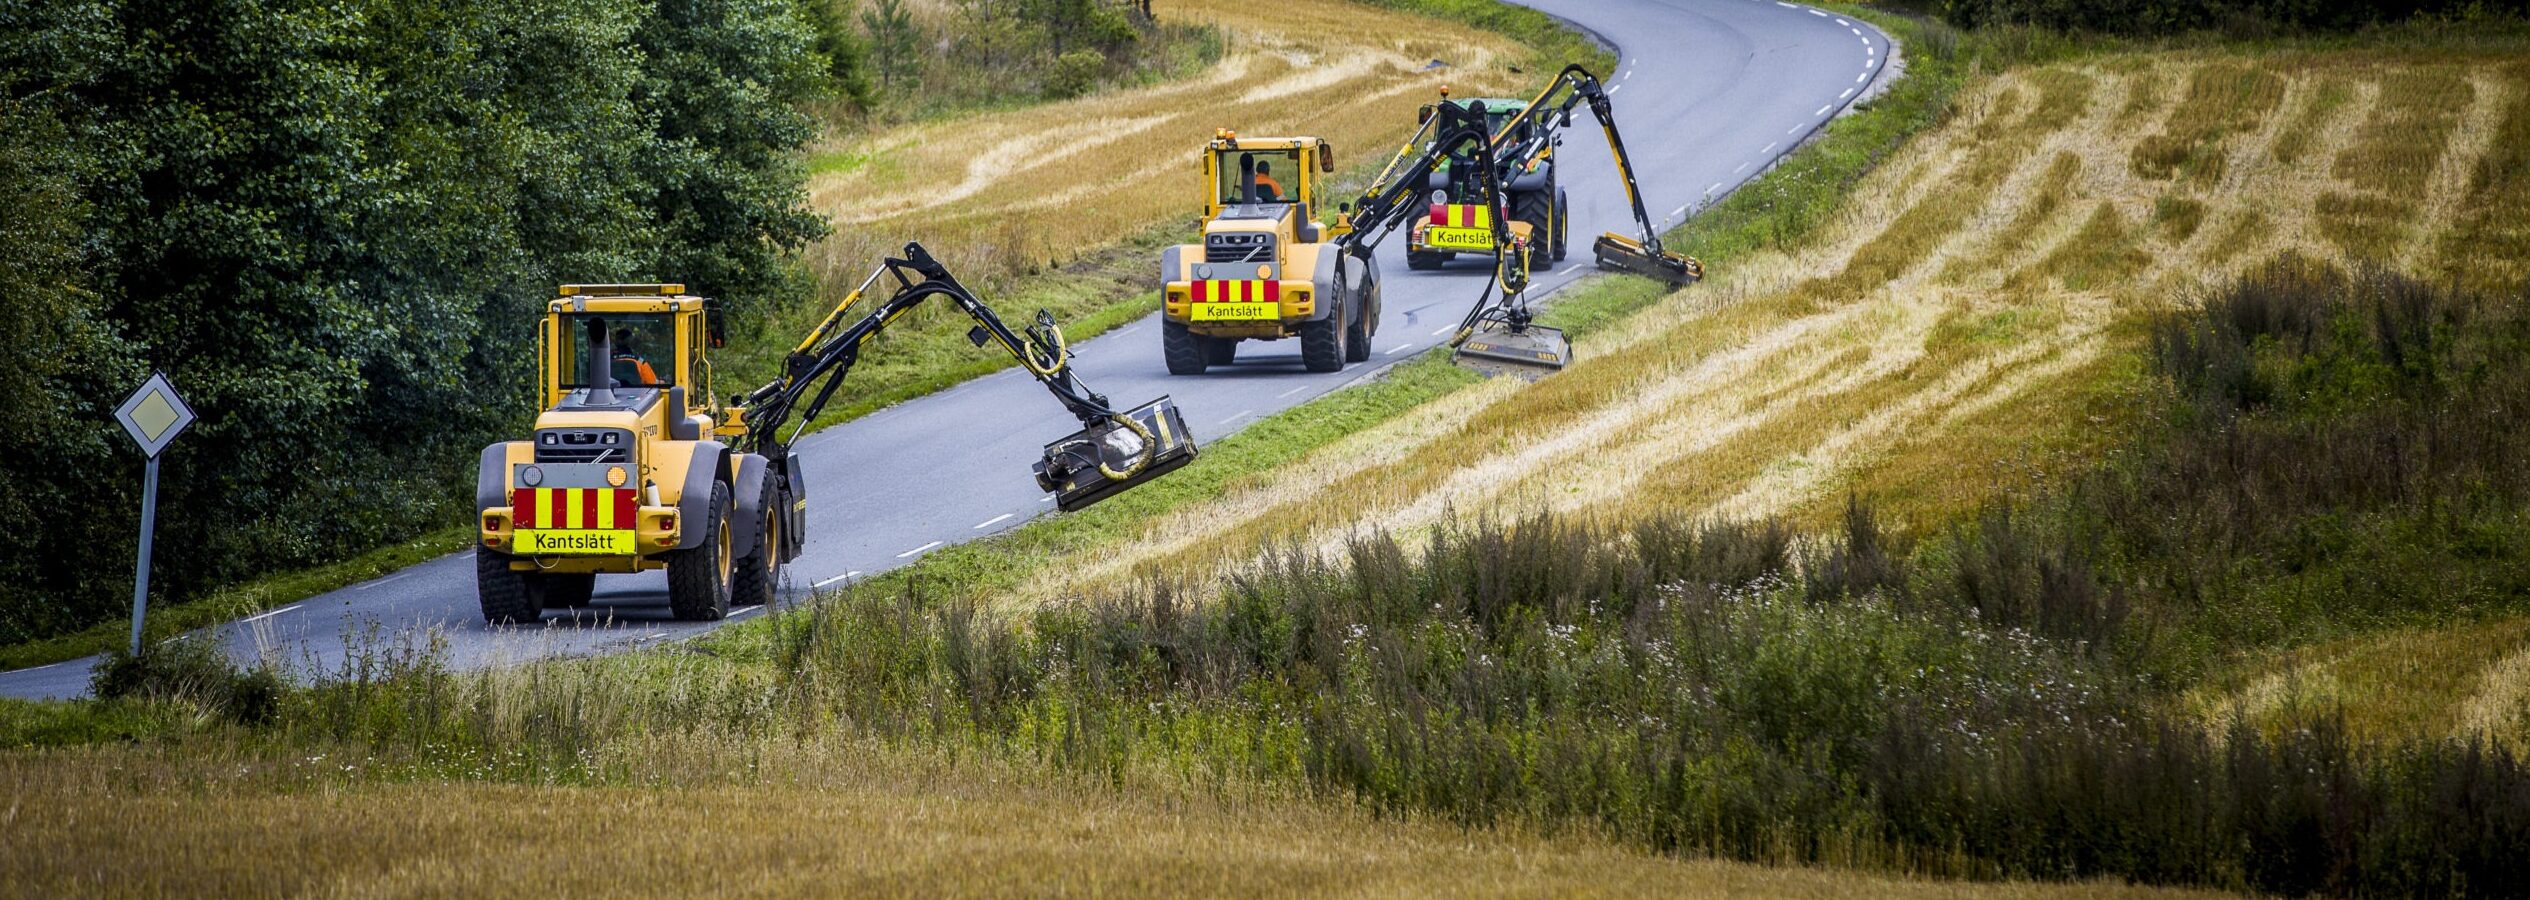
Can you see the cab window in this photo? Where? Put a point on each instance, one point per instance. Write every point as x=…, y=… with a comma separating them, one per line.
x=1277, y=176
x=643, y=352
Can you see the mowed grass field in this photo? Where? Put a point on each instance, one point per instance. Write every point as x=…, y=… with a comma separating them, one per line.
x=845, y=820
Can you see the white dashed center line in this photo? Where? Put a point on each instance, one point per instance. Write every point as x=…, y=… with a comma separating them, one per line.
x=1291, y=392
x=1823, y=110
x=917, y=549
x=1770, y=147
x=1858, y=79
x=1716, y=186
x=1742, y=168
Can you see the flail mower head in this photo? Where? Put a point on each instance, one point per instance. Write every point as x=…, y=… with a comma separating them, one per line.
x=1625, y=254
x=1498, y=347
x=1111, y=456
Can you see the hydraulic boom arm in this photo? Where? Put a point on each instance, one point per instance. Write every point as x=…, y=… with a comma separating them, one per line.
x=1552, y=112
x=1113, y=451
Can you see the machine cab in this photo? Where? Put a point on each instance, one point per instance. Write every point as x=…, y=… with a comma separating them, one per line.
x=1264, y=177
x=637, y=348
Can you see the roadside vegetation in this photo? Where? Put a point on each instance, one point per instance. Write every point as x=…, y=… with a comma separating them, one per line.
x=2093, y=461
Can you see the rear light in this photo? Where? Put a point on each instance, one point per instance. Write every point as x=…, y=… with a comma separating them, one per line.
x=491, y=523
x=667, y=542
x=667, y=523
x=491, y=542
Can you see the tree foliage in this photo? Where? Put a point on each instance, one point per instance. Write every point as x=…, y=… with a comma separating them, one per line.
x=331, y=223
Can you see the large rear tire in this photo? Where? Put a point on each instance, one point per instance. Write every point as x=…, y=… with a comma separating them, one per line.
x=1183, y=349
x=1357, y=335
x=759, y=571
x=506, y=595
x=1538, y=209
x=699, y=579
x=1322, y=343
x=1563, y=225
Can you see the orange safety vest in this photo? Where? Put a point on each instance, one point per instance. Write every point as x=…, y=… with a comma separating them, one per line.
x=1264, y=180
x=649, y=376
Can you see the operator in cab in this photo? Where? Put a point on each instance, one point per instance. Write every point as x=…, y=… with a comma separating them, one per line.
x=631, y=367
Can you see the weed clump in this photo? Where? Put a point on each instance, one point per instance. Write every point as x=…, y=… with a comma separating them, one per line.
x=193, y=671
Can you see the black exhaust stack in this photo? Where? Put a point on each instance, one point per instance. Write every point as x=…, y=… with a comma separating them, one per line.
x=600, y=374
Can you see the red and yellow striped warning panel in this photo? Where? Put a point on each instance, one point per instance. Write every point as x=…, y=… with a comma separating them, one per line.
x=1215, y=291
x=598, y=508
x=1462, y=215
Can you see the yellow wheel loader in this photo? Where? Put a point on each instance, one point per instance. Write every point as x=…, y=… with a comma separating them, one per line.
x=633, y=466
x=1267, y=269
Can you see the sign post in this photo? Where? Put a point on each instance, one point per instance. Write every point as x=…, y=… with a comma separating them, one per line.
x=153, y=416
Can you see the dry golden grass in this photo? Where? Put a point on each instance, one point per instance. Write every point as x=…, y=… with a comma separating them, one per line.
x=1956, y=321
x=998, y=192
x=2463, y=680
x=867, y=822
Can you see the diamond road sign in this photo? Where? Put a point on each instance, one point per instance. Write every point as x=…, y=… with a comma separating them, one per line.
x=154, y=415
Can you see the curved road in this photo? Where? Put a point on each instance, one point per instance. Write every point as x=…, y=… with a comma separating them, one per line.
x=1708, y=93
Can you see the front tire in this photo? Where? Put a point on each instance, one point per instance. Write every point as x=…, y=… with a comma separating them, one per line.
x=1357, y=336
x=759, y=570
x=699, y=579
x=507, y=597
x=1322, y=343
x=1183, y=349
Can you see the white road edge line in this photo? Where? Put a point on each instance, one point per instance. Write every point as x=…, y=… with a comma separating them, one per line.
x=1400, y=348
x=1840, y=20
x=1823, y=110
x=1445, y=329
x=1865, y=76
x=1742, y=168
x=655, y=635
x=917, y=549
x=746, y=611
x=272, y=613
x=1616, y=89
x=1128, y=331
x=1244, y=413
x=1680, y=211
x=822, y=584
x=1796, y=129
x=1709, y=191
x=1848, y=93
x=996, y=520
x=1291, y=392
x=1770, y=147
x=1818, y=14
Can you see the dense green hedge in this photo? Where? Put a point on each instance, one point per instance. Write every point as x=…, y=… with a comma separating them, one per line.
x=330, y=222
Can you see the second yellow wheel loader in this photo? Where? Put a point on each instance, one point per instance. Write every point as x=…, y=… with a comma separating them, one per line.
x=634, y=467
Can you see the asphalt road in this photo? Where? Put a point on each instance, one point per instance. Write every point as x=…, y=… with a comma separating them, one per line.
x=1707, y=93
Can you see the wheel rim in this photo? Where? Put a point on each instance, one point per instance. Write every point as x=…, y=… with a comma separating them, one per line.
x=772, y=541
x=727, y=565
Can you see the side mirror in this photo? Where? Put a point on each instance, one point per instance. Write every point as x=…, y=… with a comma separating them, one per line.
x=1326, y=157
x=1568, y=117
x=715, y=333
x=1423, y=116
